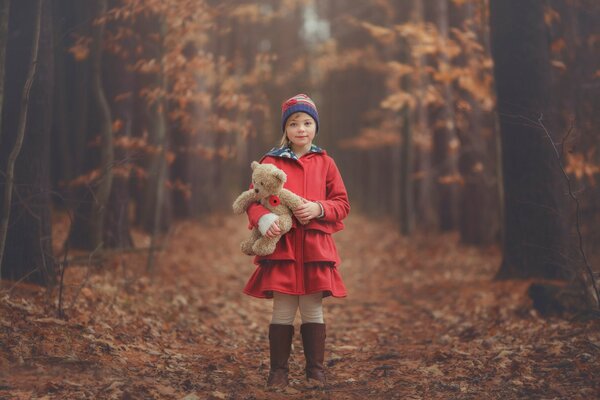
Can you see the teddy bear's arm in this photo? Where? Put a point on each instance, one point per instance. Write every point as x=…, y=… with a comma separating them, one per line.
x=290, y=199
x=243, y=201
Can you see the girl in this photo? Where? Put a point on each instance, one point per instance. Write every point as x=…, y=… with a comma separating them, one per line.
x=303, y=268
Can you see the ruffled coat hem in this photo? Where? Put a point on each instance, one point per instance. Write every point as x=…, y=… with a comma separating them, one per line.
x=282, y=277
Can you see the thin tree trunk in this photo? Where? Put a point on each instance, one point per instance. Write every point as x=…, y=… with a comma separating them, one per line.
x=406, y=176
x=86, y=125
x=62, y=165
x=158, y=172
x=106, y=138
x=156, y=124
x=80, y=103
x=443, y=135
x=162, y=169
x=12, y=158
x=407, y=156
x=117, y=231
x=424, y=206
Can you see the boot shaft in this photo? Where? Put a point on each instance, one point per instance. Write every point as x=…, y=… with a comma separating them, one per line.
x=313, y=340
x=280, y=344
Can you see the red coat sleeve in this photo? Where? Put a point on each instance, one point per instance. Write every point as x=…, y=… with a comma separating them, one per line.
x=254, y=212
x=337, y=206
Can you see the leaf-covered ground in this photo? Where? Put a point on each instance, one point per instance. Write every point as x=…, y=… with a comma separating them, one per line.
x=423, y=320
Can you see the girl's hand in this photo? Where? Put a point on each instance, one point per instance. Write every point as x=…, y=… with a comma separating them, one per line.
x=273, y=231
x=307, y=211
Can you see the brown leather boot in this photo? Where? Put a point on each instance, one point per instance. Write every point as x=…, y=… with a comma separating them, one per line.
x=313, y=339
x=280, y=343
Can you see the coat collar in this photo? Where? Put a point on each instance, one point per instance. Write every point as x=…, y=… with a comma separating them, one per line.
x=286, y=152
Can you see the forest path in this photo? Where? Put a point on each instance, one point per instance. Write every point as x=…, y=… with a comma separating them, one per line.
x=423, y=320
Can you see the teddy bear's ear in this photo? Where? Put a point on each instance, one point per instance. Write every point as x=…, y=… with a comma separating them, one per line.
x=254, y=165
x=281, y=176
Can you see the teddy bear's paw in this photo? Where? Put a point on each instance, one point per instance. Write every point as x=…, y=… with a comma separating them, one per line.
x=249, y=252
x=260, y=249
x=247, y=249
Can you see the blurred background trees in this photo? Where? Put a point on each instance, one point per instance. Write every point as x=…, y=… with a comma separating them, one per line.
x=145, y=112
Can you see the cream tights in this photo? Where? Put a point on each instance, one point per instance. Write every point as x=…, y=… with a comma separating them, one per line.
x=286, y=305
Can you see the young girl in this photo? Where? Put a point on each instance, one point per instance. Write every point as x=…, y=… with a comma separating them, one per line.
x=303, y=268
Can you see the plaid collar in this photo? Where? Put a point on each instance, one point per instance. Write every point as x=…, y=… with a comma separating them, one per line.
x=287, y=152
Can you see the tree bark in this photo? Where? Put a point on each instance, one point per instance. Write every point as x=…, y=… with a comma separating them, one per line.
x=119, y=89
x=62, y=159
x=4, y=13
x=155, y=204
x=107, y=155
x=406, y=176
x=407, y=155
x=535, y=231
x=477, y=221
x=444, y=159
x=28, y=240
x=424, y=202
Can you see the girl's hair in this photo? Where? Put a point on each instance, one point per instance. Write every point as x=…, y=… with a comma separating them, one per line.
x=284, y=142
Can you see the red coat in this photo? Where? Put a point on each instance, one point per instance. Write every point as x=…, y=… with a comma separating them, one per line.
x=305, y=260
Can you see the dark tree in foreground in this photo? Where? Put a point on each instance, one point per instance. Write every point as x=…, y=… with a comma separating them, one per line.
x=28, y=251
x=101, y=218
x=535, y=232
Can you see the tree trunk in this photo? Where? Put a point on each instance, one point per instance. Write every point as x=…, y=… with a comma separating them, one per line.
x=107, y=155
x=535, y=231
x=155, y=203
x=88, y=225
x=406, y=176
x=444, y=158
x=4, y=13
x=477, y=223
x=424, y=207
x=80, y=105
x=407, y=156
x=119, y=88
x=62, y=158
x=28, y=251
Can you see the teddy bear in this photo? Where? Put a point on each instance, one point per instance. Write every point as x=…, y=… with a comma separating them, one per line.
x=267, y=181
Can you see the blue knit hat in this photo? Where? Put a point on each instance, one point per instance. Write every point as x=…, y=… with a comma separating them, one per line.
x=299, y=103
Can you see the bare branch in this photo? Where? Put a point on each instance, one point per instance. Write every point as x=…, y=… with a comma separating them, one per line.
x=588, y=268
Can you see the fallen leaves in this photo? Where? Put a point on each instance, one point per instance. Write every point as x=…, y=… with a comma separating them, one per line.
x=423, y=320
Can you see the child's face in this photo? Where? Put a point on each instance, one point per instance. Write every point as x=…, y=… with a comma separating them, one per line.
x=300, y=129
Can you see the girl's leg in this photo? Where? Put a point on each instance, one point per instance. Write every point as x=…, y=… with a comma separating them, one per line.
x=313, y=335
x=281, y=331
x=311, y=308
x=284, y=308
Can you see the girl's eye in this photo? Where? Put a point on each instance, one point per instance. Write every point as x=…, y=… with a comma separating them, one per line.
x=308, y=123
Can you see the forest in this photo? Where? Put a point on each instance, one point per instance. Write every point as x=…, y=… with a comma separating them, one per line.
x=467, y=133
